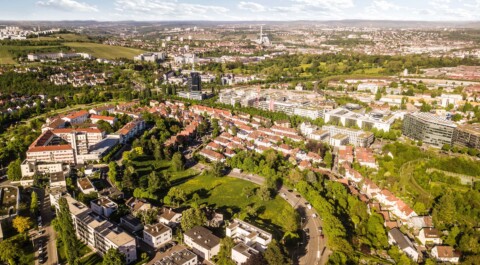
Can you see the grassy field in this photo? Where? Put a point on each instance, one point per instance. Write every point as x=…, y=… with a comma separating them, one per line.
x=145, y=165
x=7, y=58
x=227, y=193
x=63, y=37
x=104, y=51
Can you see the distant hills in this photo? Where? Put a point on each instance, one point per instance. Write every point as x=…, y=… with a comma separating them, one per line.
x=332, y=23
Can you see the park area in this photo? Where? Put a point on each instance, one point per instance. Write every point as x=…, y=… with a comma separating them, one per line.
x=235, y=198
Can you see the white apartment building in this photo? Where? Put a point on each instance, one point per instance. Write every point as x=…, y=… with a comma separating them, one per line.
x=99, y=233
x=241, y=253
x=30, y=168
x=453, y=99
x=157, y=235
x=249, y=234
x=202, y=241
x=349, y=118
x=103, y=206
x=355, y=137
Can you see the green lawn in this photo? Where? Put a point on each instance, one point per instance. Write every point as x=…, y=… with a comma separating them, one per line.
x=6, y=56
x=83, y=250
x=93, y=259
x=227, y=193
x=145, y=165
x=104, y=51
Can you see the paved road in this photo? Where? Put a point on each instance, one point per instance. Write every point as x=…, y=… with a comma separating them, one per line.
x=313, y=252
x=49, y=235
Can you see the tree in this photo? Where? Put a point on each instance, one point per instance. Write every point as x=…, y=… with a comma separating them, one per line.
x=9, y=250
x=34, y=203
x=217, y=169
x=14, y=172
x=264, y=193
x=22, y=224
x=65, y=229
x=192, y=217
x=113, y=257
x=274, y=255
x=112, y=172
x=177, y=162
x=255, y=259
x=177, y=194
x=225, y=253
x=328, y=159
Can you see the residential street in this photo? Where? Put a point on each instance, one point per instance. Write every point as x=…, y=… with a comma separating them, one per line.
x=49, y=236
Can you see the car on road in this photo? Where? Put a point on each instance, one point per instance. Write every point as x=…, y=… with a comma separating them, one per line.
x=314, y=215
x=298, y=195
x=309, y=206
x=41, y=259
x=320, y=230
x=283, y=195
x=290, y=190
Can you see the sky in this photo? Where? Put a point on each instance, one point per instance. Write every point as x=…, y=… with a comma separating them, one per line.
x=233, y=10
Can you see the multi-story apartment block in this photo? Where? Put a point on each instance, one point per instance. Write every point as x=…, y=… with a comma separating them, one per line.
x=467, y=135
x=157, y=235
x=131, y=129
x=428, y=128
x=77, y=117
x=99, y=233
x=349, y=118
x=202, y=241
x=249, y=234
x=30, y=168
x=355, y=137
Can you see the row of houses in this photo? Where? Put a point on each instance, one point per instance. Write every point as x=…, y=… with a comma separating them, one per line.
x=397, y=213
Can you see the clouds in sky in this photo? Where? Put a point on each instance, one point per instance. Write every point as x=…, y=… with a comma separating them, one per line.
x=439, y=10
x=68, y=5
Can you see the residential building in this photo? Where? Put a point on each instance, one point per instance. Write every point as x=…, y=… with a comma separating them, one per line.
x=169, y=217
x=241, y=253
x=347, y=118
x=96, y=118
x=202, y=241
x=103, y=206
x=32, y=167
x=151, y=57
x=355, y=137
x=137, y=205
x=428, y=128
x=99, y=233
x=76, y=117
x=131, y=223
x=130, y=130
x=396, y=237
x=177, y=255
x=85, y=185
x=249, y=234
x=157, y=235
x=212, y=155
x=429, y=236
x=445, y=254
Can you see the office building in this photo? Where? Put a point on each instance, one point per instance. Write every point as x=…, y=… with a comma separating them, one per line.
x=428, y=128
x=467, y=135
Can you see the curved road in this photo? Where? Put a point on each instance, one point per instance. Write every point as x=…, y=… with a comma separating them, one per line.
x=315, y=251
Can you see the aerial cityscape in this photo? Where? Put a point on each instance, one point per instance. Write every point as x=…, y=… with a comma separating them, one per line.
x=288, y=132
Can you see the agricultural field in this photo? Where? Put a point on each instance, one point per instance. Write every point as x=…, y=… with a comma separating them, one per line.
x=103, y=50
